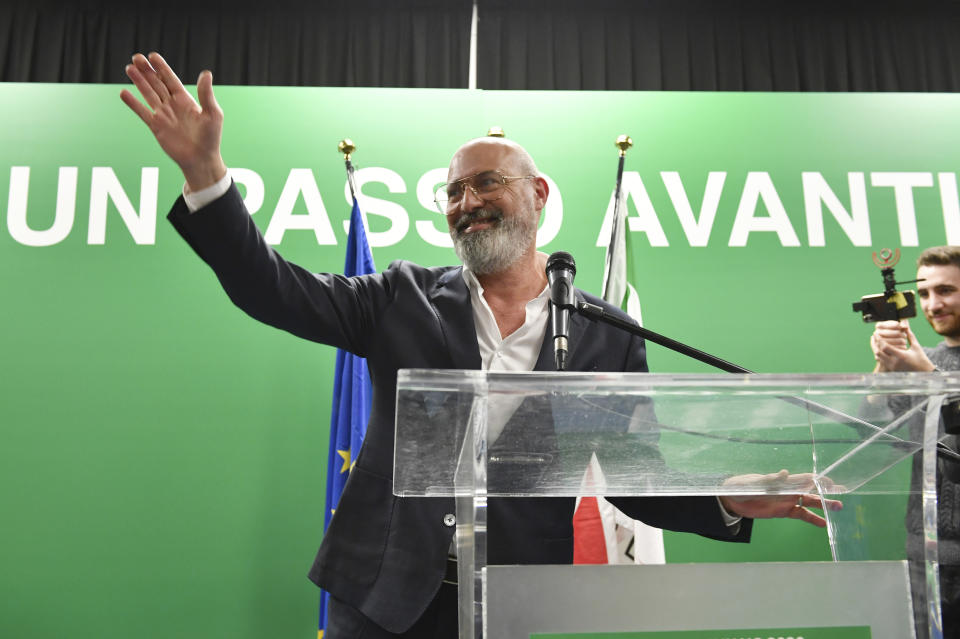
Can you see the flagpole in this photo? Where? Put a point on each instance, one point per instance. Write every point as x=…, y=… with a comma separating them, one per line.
x=623, y=143
x=352, y=391
x=617, y=231
x=347, y=147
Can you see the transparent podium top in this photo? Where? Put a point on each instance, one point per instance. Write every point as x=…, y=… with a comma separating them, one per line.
x=535, y=434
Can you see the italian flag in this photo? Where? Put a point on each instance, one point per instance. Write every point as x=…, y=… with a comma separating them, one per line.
x=603, y=534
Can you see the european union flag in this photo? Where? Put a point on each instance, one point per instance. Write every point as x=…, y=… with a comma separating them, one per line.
x=352, y=394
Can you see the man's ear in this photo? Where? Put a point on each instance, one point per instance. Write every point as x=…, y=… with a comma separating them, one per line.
x=541, y=190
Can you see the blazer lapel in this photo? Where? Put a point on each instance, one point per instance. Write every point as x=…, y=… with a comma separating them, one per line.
x=451, y=301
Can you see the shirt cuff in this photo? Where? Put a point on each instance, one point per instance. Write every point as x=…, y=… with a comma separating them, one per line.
x=196, y=200
x=728, y=519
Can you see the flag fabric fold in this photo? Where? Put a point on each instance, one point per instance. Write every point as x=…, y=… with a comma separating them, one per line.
x=352, y=392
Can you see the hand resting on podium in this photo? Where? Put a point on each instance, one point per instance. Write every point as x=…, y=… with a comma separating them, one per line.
x=768, y=503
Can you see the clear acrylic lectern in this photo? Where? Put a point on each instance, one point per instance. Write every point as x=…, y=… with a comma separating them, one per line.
x=473, y=436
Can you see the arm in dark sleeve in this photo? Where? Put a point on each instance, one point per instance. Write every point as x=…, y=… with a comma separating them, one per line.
x=326, y=308
x=695, y=514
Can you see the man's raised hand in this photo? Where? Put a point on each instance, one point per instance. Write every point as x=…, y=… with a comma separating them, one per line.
x=188, y=132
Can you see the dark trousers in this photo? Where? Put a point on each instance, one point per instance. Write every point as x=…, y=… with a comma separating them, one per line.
x=439, y=621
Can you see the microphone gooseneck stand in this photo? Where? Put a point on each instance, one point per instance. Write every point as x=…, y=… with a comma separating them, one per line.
x=595, y=312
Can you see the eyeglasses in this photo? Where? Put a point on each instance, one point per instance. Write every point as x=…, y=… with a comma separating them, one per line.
x=486, y=185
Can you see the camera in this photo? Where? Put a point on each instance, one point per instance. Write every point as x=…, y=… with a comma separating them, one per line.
x=891, y=304
x=880, y=307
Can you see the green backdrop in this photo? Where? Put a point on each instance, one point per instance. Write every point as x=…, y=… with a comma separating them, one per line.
x=162, y=456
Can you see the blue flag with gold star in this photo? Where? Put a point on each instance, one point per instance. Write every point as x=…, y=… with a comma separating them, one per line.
x=352, y=394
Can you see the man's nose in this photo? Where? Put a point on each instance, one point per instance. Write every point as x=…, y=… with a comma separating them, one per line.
x=470, y=200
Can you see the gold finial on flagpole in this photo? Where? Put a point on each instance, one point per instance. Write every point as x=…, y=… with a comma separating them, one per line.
x=346, y=147
x=623, y=143
x=496, y=132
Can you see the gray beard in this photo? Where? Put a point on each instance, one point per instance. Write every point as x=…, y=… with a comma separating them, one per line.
x=497, y=248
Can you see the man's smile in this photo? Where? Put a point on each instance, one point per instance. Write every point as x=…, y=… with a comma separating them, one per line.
x=473, y=222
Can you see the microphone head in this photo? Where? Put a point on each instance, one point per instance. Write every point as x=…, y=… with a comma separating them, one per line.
x=561, y=260
x=560, y=273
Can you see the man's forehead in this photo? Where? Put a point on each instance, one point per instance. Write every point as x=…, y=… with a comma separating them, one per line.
x=938, y=274
x=480, y=156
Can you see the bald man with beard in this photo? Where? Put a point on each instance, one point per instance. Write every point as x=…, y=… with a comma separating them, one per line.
x=385, y=560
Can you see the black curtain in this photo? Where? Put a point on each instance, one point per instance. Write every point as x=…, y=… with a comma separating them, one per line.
x=388, y=43
x=699, y=45
x=704, y=45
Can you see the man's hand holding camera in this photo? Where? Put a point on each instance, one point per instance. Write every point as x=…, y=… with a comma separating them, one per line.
x=896, y=348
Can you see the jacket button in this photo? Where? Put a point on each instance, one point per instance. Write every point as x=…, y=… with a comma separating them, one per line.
x=449, y=520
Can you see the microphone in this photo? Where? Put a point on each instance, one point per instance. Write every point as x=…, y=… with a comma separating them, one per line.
x=560, y=272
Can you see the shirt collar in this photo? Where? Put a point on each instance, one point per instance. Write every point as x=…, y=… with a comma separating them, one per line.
x=474, y=285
